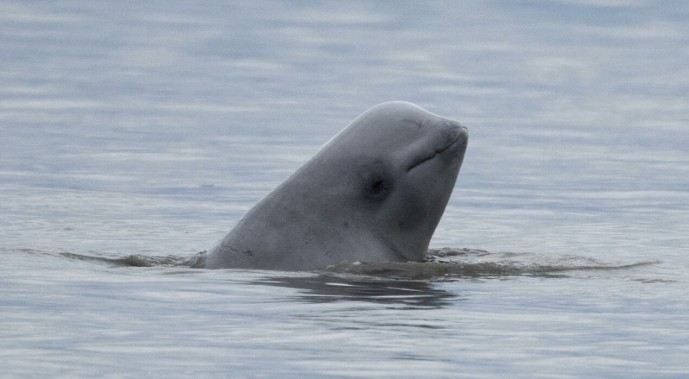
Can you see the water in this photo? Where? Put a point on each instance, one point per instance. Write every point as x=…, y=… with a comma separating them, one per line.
x=149, y=129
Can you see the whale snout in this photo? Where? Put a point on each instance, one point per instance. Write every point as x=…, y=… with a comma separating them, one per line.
x=453, y=143
x=464, y=131
x=449, y=140
x=459, y=133
x=453, y=134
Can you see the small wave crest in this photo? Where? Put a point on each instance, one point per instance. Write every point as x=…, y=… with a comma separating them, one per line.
x=475, y=263
x=134, y=260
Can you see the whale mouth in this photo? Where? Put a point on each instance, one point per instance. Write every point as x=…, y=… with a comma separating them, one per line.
x=440, y=150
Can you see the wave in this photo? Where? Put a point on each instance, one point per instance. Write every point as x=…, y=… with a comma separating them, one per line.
x=136, y=260
x=476, y=263
x=439, y=264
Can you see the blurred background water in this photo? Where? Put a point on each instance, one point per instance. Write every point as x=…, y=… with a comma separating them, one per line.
x=150, y=128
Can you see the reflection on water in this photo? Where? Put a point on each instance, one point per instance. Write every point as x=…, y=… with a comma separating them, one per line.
x=332, y=288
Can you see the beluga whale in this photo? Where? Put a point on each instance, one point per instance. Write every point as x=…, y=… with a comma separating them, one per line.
x=374, y=193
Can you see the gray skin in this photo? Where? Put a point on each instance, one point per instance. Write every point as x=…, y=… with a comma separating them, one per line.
x=374, y=193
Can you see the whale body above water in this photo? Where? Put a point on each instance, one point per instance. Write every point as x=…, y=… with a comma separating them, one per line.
x=374, y=193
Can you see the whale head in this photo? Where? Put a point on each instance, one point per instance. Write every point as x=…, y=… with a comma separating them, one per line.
x=375, y=192
x=395, y=166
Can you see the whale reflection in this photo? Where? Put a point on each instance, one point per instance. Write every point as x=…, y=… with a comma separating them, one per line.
x=325, y=288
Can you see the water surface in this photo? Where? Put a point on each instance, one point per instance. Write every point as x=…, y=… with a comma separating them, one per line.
x=148, y=129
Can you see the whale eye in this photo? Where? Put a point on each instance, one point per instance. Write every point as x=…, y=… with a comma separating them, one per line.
x=377, y=187
x=375, y=181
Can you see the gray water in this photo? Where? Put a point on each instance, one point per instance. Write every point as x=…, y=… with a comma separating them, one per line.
x=133, y=135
